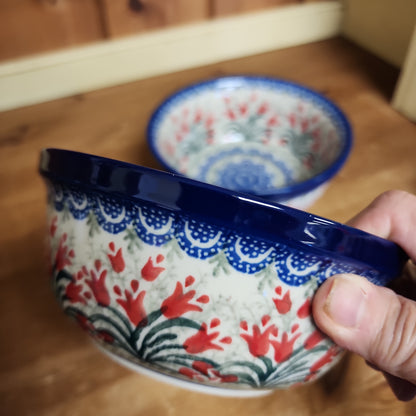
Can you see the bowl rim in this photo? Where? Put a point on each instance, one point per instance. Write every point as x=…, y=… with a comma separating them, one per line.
x=254, y=216
x=230, y=81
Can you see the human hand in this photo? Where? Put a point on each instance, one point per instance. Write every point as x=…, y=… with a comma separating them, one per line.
x=376, y=322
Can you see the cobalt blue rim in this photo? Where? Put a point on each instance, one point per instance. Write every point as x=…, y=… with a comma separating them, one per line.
x=214, y=205
x=241, y=80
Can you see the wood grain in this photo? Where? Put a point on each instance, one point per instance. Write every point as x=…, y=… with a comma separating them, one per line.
x=136, y=16
x=48, y=367
x=28, y=27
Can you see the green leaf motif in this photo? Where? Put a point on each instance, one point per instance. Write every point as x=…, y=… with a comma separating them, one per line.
x=133, y=240
x=94, y=227
x=221, y=264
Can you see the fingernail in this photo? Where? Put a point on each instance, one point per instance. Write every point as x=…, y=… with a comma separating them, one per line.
x=345, y=302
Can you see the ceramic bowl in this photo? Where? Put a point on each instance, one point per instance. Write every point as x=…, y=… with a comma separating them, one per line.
x=261, y=136
x=198, y=285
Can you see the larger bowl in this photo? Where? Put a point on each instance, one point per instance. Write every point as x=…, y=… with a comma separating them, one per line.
x=193, y=283
x=263, y=136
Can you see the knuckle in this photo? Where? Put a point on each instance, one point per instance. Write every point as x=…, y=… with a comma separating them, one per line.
x=395, y=344
x=391, y=197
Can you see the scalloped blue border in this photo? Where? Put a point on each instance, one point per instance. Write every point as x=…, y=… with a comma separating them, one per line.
x=157, y=226
x=233, y=82
x=250, y=215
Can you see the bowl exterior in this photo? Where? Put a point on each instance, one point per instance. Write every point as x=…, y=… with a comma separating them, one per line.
x=304, y=200
x=187, y=299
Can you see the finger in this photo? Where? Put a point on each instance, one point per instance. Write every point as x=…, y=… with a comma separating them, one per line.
x=392, y=215
x=403, y=389
x=406, y=284
x=371, y=321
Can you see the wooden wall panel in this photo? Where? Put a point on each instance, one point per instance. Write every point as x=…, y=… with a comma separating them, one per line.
x=134, y=16
x=33, y=26
x=230, y=7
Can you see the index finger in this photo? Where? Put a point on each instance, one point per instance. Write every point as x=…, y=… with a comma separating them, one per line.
x=392, y=215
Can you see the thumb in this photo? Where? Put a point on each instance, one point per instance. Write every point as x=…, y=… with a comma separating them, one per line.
x=371, y=321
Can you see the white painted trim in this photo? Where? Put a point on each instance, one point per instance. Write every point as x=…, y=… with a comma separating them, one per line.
x=404, y=99
x=46, y=77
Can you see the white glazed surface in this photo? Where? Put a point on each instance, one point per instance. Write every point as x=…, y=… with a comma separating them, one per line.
x=187, y=299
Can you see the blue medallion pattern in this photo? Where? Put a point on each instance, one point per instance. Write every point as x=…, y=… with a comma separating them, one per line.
x=245, y=168
x=112, y=216
x=56, y=195
x=78, y=204
x=154, y=226
x=245, y=176
x=249, y=255
x=296, y=268
x=200, y=240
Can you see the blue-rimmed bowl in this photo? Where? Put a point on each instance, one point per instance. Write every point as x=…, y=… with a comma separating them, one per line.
x=262, y=136
x=192, y=283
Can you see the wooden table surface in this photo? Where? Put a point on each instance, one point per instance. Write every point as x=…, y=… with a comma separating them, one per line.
x=48, y=366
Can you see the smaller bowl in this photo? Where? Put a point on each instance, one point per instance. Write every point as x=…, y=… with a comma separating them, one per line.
x=262, y=136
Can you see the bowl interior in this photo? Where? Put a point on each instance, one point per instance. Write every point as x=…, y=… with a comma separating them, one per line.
x=248, y=134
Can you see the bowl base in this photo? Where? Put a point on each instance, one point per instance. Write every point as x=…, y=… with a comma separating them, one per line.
x=188, y=385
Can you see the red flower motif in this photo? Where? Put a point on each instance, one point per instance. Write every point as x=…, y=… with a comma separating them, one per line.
x=263, y=109
x=209, y=121
x=178, y=303
x=198, y=116
x=230, y=114
x=283, y=349
x=104, y=336
x=243, y=109
x=308, y=161
x=97, y=285
x=150, y=272
x=305, y=310
x=259, y=341
x=325, y=359
x=63, y=256
x=273, y=121
x=203, y=341
x=84, y=323
x=314, y=339
x=304, y=124
x=73, y=293
x=202, y=371
x=185, y=127
x=169, y=148
x=53, y=227
x=116, y=260
x=133, y=305
x=316, y=145
x=283, y=305
x=292, y=119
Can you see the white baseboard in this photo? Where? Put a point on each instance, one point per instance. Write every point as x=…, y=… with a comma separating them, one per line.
x=404, y=99
x=55, y=75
